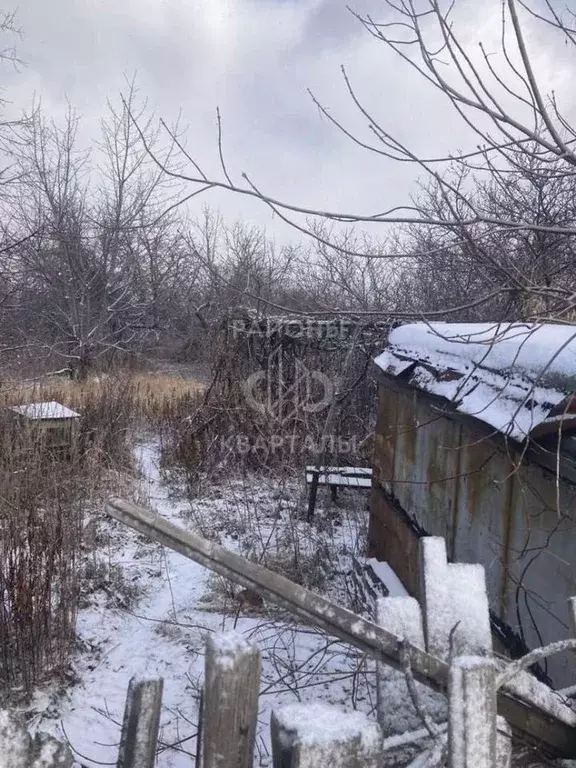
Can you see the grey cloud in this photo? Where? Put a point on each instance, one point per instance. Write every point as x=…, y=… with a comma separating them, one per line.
x=255, y=59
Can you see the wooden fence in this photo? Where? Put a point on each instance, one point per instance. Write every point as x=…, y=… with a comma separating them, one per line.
x=462, y=704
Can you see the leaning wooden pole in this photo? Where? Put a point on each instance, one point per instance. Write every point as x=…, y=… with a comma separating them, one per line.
x=554, y=729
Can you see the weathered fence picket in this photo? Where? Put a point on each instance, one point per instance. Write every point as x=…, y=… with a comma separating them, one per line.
x=472, y=713
x=231, y=687
x=307, y=736
x=537, y=719
x=141, y=722
x=313, y=735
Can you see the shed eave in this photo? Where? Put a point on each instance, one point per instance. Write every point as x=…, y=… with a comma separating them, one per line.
x=528, y=450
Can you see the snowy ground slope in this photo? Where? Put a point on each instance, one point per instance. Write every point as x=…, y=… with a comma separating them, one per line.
x=163, y=633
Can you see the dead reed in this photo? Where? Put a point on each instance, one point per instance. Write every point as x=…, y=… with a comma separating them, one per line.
x=46, y=495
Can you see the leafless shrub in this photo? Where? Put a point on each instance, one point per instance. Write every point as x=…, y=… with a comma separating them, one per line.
x=40, y=520
x=48, y=560
x=266, y=408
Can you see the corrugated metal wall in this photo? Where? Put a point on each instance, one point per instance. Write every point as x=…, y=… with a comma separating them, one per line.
x=445, y=478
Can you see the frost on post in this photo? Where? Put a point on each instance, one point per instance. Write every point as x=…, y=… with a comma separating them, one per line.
x=472, y=696
x=396, y=712
x=312, y=735
x=232, y=682
x=19, y=750
x=454, y=601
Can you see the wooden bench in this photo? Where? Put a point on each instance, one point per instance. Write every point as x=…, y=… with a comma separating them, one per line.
x=336, y=477
x=353, y=477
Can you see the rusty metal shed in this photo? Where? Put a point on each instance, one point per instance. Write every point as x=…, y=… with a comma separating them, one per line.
x=475, y=442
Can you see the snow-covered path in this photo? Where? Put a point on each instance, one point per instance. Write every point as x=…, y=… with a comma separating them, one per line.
x=164, y=636
x=140, y=642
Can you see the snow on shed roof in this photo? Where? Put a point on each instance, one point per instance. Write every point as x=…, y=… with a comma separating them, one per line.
x=518, y=378
x=48, y=410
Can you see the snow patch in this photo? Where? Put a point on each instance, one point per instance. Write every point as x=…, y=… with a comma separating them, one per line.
x=164, y=634
x=320, y=724
x=48, y=410
x=455, y=599
x=228, y=647
x=388, y=577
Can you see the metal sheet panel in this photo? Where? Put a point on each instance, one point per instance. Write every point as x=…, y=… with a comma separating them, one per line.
x=483, y=511
x=405, y=454
x=542, y=560
x=385, y=440
x=392, y=539
x=492, y=506
x=426, y=466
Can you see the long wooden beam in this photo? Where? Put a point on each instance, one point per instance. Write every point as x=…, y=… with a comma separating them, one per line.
x=554, y=728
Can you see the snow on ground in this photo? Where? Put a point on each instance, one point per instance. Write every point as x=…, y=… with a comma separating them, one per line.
x=179, y=602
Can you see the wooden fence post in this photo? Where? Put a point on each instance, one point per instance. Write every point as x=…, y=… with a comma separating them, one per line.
x=503, y=743
x=140, y=727
x=231, y=688
x=19, y=750
x=472, y=713
x=535, y=717
x=572, y=608
x=313, y=735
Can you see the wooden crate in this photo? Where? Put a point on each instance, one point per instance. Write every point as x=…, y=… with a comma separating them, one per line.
x=55, y=424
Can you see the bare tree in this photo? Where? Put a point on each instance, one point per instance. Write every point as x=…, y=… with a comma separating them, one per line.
x=520, y=135
x=79, y=270
x=535, y=266
x=343, y=281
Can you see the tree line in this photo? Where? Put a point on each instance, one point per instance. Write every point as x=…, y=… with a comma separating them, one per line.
x=103, y=252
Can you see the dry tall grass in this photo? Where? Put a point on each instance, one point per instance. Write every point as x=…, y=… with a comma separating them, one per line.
x=40, y=524
x=151, y=394
x=45, y=496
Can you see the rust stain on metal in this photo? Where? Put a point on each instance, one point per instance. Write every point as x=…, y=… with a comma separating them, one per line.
x=509, y=508
x=408, y=427
x=493, y=505
x=449, y=375
x=405, y=457
x=451, y=544
x=390, y=538
x=386, y=430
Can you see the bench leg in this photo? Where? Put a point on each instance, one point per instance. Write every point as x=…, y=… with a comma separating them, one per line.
x=312, y=498
x=333, y=492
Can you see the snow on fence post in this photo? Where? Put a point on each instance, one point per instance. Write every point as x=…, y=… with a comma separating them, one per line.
x=472, y=712
x=572, y=607
x=551, y=722
x=231, y=688
x=18, y=749
x=140, y=727
x=503, y=743
x=396, y=711
x=313, y=735
x=454, y=603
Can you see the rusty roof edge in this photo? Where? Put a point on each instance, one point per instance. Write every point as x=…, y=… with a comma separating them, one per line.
x=505, y=386
x=528, y=449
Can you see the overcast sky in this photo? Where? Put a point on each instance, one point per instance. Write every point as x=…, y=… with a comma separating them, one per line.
x=254, y=59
